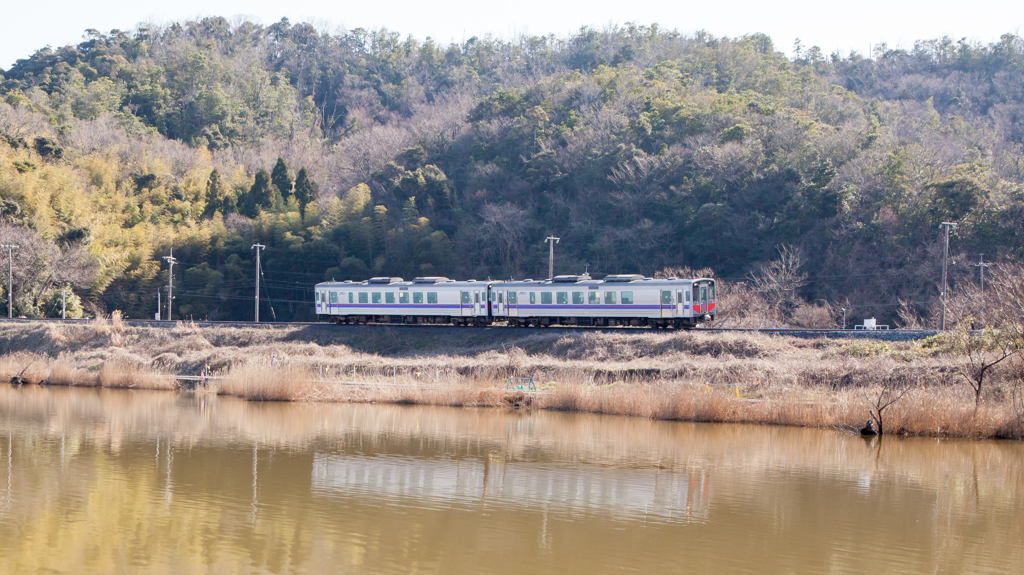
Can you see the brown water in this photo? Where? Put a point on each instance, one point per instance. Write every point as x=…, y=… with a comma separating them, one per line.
x=99, y=481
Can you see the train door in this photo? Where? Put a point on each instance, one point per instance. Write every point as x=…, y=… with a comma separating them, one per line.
x=666, y=303
x=465, y=304
x=477, y=304
x=501, y=303
x=680, y=312
x=703, y=299
x=512, y=303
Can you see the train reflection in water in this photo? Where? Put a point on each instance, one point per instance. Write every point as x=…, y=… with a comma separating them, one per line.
x=631, y=493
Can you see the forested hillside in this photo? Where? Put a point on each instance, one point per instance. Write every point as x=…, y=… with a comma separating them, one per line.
x=366, y=153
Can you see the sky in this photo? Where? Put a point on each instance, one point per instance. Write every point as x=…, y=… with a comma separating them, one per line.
x=842, y=26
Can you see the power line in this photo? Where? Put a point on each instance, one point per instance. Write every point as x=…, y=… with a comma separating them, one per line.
x=269, y=302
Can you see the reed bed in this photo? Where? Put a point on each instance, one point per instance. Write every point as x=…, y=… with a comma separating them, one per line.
x=694, y=376
x=261, y=381
x=32, y=369
x=928, y=411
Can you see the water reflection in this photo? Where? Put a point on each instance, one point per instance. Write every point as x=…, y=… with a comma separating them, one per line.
x=102, y=481
x=621, y=493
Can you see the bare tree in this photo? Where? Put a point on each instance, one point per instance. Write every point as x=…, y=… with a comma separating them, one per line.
x=38, y=265
x=778, y=280
x=505, y=228
x=685, y=272
x=638, y=185
x=982, y=352
x=893, y=389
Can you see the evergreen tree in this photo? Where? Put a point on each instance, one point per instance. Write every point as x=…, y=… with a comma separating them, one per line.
x=214, y=195
x=305, y=191
x=282, y=179
x=262, y=190
x=260, y=196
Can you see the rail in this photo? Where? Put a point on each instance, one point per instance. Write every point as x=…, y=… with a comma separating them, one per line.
x=794, y=331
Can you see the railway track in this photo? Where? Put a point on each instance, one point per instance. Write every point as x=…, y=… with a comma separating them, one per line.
x=889, y=335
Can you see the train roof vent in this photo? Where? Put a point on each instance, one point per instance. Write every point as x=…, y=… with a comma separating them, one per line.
x=570, y=279
x=383, y=280
x=430, y=280
x=623, y=278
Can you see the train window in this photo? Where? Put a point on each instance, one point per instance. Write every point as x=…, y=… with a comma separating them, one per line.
x=666, y=297
x=375, y=297
x=577, y=298
x=627, y=298
x=563, y=297
x=499, y=297
x=512, y=298
x=363, y=297
x=417, y=297
x=545, y=297
x=403, y=297
x=712, y=291
x=493, y=297
x=431, y=297
x=609, y=297
x=334, y=297
x=696, y=293
x=476, y=297
x=389, y=297
x=533, y=297
x=593, y=298
x=687, y=296
x=465, y=297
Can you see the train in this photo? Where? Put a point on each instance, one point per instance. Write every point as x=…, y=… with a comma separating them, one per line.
x=567, y=300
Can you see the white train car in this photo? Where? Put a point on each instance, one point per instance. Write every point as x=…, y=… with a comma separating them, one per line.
x=617, y=300
x=394, y=300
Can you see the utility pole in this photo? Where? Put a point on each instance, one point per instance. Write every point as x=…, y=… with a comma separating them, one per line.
x=258, y=248
x=170, y=282
x=63, y=303
x=10, y=281
x=159, y=302
x=945, y=256
x=981, y=265
x=551, y=240
x=844, y=318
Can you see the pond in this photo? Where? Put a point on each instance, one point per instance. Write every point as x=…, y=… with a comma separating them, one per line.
x=108, y=481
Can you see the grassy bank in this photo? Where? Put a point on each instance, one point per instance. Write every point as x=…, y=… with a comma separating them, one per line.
x=743, y=378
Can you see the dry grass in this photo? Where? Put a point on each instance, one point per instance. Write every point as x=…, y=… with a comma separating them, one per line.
x=692, y=376
x=261, y=381
x=125, y=375
x=932, y=411
x=33, y=369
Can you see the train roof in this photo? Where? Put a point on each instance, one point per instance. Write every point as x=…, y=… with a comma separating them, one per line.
x=558, y=281
x=608, y=281
x=432, y=281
